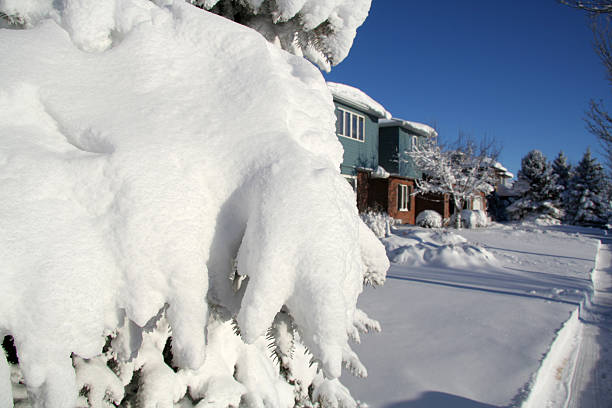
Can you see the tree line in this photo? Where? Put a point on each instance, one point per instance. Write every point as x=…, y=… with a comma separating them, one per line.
x=556, y=192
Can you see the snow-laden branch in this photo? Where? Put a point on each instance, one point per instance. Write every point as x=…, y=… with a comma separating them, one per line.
x=167, y=203
x=463, y=171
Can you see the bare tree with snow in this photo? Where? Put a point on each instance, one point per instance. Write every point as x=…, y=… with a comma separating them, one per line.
x=598, y=120
x=462, y=170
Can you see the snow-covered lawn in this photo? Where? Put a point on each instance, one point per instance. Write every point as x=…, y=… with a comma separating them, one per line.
x=472, y=335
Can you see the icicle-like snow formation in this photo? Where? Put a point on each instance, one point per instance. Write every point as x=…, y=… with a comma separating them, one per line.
x=190, y=165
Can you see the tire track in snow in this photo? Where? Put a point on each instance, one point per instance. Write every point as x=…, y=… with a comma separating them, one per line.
x=591, y=382
x=577, y=370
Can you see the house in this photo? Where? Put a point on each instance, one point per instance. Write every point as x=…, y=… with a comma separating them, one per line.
x=396, y=193
x=374, y=163
x=357, y=117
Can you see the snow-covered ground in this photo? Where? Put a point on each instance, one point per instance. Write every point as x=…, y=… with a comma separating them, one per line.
x=473, y=335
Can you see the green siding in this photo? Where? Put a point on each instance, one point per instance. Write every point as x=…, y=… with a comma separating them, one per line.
x=388, y=154
x=394, y=140
x=407, y=166
x=358, y=154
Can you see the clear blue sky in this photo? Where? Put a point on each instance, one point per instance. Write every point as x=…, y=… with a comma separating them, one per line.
x=520, y=71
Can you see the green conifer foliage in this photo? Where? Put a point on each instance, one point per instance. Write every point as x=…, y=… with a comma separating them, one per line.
x=588, y=204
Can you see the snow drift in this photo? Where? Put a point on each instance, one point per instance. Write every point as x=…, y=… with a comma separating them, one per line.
x=438, y=248
x=164, y=170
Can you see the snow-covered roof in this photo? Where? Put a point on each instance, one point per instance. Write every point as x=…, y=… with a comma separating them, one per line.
x=358, y=99
x=416, y=127
x=502, y=170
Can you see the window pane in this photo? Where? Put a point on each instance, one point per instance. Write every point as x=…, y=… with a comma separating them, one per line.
x=410, y=190
x=339, y=121
x=354, y=127
x=361, y=125
x=399, y=197
x=347, y=124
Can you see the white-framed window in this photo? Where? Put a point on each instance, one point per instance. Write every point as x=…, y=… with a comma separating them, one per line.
x=403, y=197
x=349, y=124
x=477, y=203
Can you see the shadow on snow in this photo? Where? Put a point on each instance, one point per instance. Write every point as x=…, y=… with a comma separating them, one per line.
x=439, y=400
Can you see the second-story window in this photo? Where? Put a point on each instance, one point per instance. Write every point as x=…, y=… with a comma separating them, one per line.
x=349, y=124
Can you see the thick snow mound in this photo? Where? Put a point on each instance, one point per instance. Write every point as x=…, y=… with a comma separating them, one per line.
x=429, y=219
x=178, y=169
x=438, y=248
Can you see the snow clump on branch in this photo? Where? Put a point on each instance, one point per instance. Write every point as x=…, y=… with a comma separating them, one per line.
x=320, y=30
x=171, y=202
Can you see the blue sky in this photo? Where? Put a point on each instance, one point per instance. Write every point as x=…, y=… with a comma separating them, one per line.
x=520, y=71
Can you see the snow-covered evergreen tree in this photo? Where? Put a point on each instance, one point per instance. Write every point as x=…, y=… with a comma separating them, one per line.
x=320, y=30
x=171, y=215
x=540, y=196
x=587, y=198
x=562, y=169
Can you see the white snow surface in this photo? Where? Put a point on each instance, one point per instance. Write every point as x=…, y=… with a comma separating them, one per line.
x=380, y=172
x=358, y=98
x=459, y=336
x=143, y=150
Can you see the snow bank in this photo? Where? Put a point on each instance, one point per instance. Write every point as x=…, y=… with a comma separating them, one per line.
x=552, y=383
x=157, y=162
x=358, y=98
x=438, y=248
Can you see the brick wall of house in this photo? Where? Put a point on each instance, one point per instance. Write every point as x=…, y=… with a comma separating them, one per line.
x=406, y=217
x=363, y=189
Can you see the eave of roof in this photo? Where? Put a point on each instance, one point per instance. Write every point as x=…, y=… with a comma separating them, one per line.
x=415, y=127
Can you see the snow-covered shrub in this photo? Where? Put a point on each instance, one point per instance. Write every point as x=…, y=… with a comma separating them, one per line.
x=379, y=222
x=429, y=219
x=165, y=205
x=472, y=219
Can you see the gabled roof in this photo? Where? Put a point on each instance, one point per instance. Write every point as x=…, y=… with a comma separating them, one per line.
x=357, y=99
x=415, y=127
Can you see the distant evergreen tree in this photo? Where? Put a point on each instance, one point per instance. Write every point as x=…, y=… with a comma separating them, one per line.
x=562, y=170
x=541, y=193
x=588, y=202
